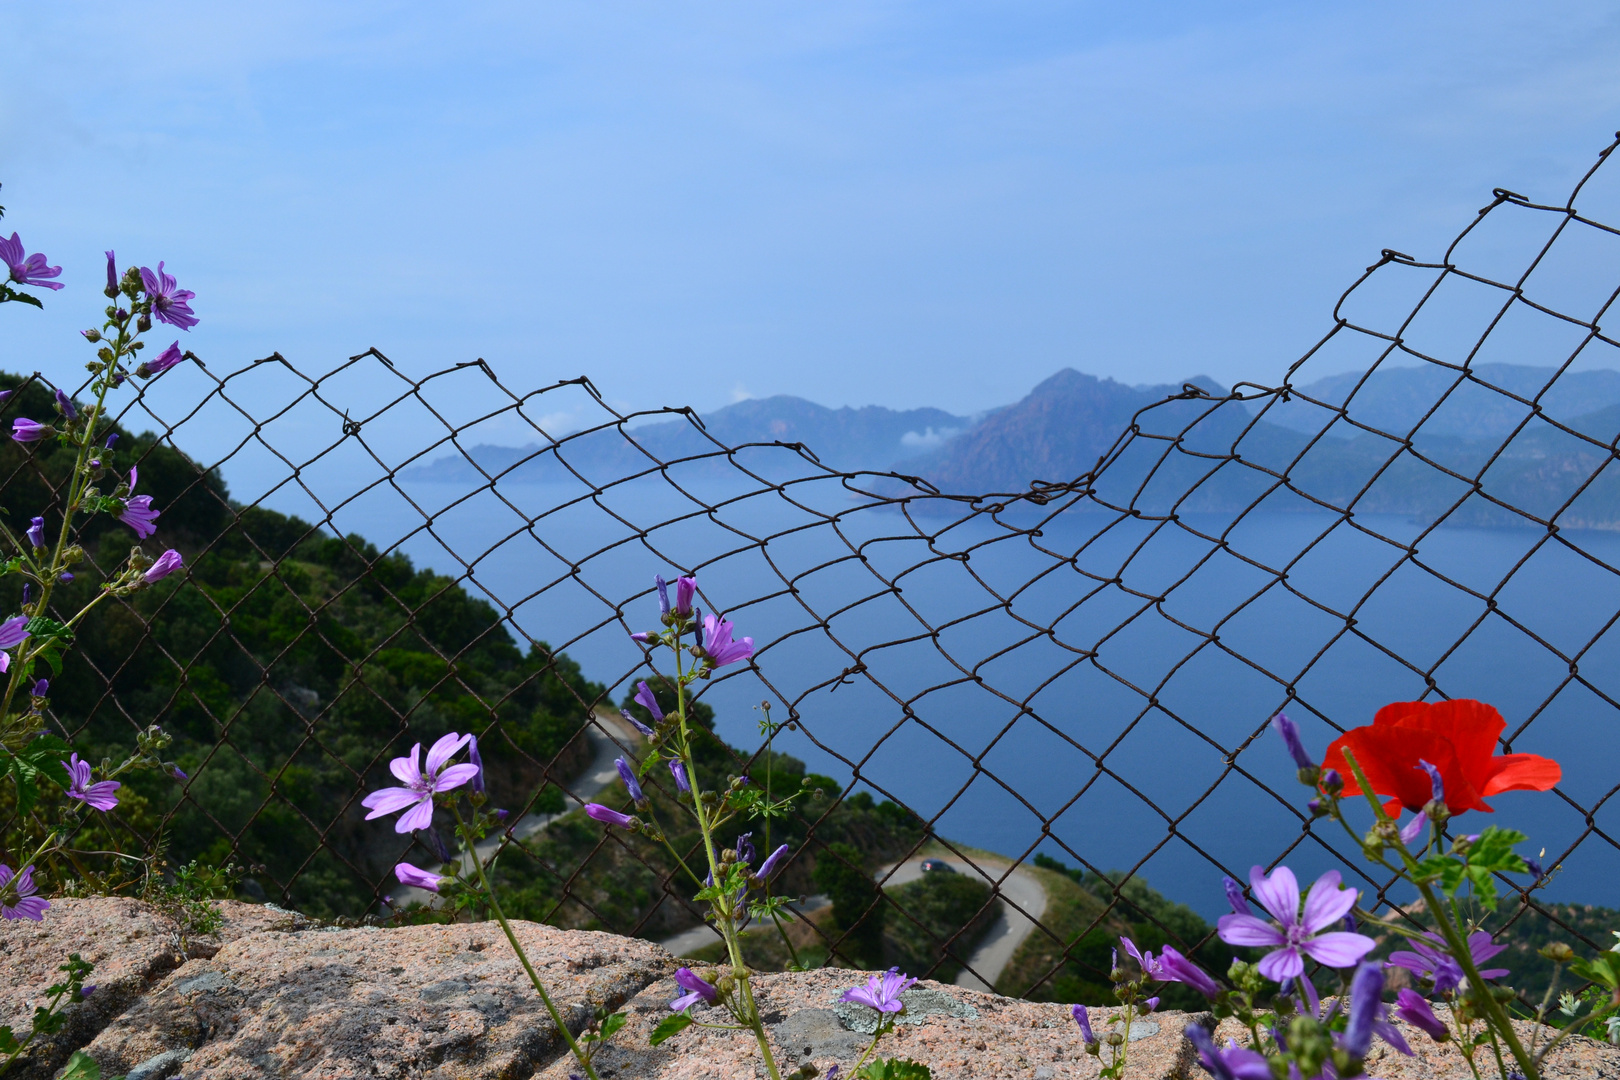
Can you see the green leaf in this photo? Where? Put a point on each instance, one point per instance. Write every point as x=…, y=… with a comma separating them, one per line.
x=8, y=293
x=81, y=1066
x=645, y=766
x=1493, y=851
x=612, y=1024
x=894, y=1069
x=1446, y=869
x=669, y=1027
x=8, y=1041
x=27, y=777
x=1604, y=969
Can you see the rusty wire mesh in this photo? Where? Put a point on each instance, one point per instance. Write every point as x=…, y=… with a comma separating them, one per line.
x=1082, y=668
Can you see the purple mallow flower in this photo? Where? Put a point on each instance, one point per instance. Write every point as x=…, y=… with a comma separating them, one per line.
x=637, y=724
x=631, y=785
x=28, y=905
x=138, y=513
x=27, y=269
x=1150, y=967
x=718, y=648
x=649, y=701
x=696, y=990
x=13, y=632
x=1295, y=936
x=164, y=361
x=167, y=563
x=97, y=796
x=681, y=782
x=1434, y=963
x=26, y=430
x=1412, y=1007
x=1083, y=1018
x=416, y=797
x=1234, y=896
x=598, y=812
x=1290, y=737
x=416, y=876
x=36, y=532
x=881, y=992
x=170, y=303
x=1233, y=1063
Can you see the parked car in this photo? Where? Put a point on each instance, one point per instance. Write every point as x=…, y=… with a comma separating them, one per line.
x=937, y=866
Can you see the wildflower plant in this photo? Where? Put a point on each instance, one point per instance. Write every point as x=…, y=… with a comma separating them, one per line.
x=1437, y=761
x=34, y=641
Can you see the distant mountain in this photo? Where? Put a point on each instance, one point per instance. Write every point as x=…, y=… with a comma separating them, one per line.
x=1058, y=431
x=870, y=437
x=1397, y=399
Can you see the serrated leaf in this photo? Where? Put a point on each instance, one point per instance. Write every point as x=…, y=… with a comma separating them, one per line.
x=1493, y=851
x=894, y=1069
x=645, y=765
x=1446, y=869
x=27, y=777
x=669, y=1027
x=81, y=1066
x=8, y=1041
x=8, y=293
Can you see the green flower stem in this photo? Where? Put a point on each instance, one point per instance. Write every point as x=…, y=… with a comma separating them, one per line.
x=523, y=958
x=728, y=925
x=1496, y=1016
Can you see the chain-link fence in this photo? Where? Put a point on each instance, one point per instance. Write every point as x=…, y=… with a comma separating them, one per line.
x=1062, y=692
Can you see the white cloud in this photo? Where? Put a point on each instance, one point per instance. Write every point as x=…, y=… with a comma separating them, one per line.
x=929, y=439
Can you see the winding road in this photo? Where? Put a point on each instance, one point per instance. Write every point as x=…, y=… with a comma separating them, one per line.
x=1019, y=890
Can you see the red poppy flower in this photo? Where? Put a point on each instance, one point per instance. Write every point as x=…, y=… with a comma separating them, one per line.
x=1456, y=737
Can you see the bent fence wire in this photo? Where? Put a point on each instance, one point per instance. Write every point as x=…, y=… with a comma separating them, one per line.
x=1083, y=669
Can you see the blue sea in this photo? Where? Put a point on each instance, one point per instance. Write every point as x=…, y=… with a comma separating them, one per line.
x=1097, y=689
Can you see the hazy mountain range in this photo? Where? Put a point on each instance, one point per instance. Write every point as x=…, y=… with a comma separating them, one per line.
x=1065, y=426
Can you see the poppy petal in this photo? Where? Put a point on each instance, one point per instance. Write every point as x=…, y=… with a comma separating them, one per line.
x=1522, y=772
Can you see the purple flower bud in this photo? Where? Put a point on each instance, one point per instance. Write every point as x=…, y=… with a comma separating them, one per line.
x=112, y=276
x=164, y=361
x=637, y=724
x=413, y=875
x=1150, y=1004
x=503, y=814
x=36, y=532
x=1332, y=782
x=745, y=849
x=1415, y=1010
x=1083, y=1018
x=641, y=636
x=1414, y=828
x=649, y=701
x=42, y=688
x=1234, y=896
x=628, y=775
x=1290, y=737
x=663, y=594
x=64, y=403
x=680, y=777
x=28, y=595
x=112, y=439
x=26, y=430
x=477, y=782
x=86, y=991
x=178, y=773
x=769, y=864
x=167, y=563
x=1366, y=1003
x=684, y=589
x=1436, y=784
x=65, y=576
x=598, y=812
x=1534, y=866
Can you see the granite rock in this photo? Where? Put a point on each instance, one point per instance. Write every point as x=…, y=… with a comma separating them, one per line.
x=131, y=944
x=422, y=1001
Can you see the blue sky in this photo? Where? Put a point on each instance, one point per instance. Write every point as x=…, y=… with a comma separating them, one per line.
x=904, y=203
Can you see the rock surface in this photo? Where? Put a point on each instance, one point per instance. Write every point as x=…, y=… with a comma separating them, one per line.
x=273, y=994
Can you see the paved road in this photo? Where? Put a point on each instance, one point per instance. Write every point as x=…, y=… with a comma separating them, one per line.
x=598, y=775
x=1011, y=927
